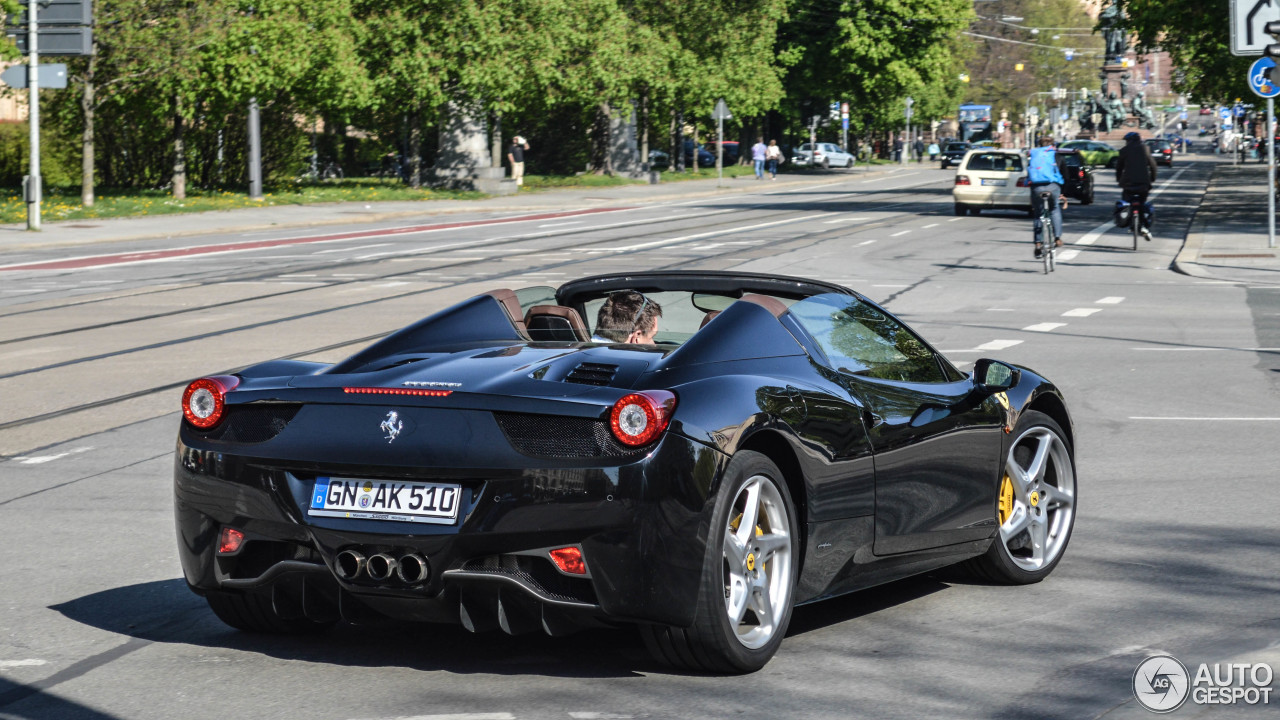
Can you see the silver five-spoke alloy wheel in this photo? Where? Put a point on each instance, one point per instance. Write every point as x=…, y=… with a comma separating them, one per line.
x=1037, y=498
x=757, y=562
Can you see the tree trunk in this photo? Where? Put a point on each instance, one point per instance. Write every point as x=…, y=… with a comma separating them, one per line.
x=601, y=157
x=179, y=152
x=695, y=147
x=415, y=149
x=87, y=158
x=642, y=113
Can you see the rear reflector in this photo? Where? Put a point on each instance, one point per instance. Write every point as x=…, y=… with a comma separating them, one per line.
x=395, y=391
x=229, y=541
x=569, y=560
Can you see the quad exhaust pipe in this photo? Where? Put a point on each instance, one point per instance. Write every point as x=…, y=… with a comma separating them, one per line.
x=410, y=568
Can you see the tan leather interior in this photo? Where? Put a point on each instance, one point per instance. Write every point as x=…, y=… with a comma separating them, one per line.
x=556, y=322
x=509, y=301
x=708, y=318
x=766, y=302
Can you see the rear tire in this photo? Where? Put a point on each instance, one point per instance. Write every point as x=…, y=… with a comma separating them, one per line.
x=253, y=612
x=961, y=209
x=975, y=211
x=748, y=577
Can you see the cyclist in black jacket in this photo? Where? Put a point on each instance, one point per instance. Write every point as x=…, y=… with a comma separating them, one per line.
x=1136, y=173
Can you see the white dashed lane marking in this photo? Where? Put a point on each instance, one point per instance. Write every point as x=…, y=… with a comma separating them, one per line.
x=904, y=232
x=31, y=662
x=1109, y=300
x=1044, y=327
x=844, y=220
x=999, y=344
x=926, y=227
x=1081, y=312
x=866, y=242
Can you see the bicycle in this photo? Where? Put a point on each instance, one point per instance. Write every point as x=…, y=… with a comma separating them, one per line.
x=1045, y=234
x=1136, y=211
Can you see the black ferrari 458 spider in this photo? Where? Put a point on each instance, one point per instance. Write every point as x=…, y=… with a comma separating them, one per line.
x=498, y=465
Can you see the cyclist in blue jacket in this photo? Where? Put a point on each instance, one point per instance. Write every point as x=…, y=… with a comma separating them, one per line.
x=1043, y=176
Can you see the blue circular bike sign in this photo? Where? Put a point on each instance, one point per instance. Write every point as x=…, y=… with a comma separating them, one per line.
x=1264, y=79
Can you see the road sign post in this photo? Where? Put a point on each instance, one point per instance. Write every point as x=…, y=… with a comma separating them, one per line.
x=906, y=143
x=34, y=182
x=1264, y=85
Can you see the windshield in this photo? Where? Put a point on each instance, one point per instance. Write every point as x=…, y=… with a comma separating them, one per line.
x=982, y=114
x=683, y=313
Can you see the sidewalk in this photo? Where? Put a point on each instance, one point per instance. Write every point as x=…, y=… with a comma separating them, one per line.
x=1228, y=237
x=87, y=232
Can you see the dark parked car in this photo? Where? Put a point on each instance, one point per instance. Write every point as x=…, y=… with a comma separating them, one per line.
x=706, y=159
x=1077, y=174
x=953, y=153
x=1161, y=150
x=497, y=466
x=730, y=151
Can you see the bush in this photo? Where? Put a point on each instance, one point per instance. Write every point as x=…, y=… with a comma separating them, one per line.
x=59, y=156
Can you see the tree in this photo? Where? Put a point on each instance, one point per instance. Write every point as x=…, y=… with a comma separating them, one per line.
x=876, y=53
x=1197, y=37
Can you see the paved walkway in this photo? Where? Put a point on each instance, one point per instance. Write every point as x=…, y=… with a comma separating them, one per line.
x=84, y=232
x=1228, y=237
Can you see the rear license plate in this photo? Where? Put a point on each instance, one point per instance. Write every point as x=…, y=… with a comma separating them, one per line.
x=386, y=500
x=988, y=181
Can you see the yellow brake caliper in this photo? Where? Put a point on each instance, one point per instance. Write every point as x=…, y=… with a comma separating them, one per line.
x=735, y=522
x=1005, y=508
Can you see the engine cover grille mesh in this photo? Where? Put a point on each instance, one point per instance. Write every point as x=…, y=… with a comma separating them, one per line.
x=252, y=423
x=555, y=436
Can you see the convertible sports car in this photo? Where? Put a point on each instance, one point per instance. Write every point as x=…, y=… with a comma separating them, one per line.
x=782, y=441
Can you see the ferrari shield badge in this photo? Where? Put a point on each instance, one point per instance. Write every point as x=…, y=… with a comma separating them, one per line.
x=392, y=425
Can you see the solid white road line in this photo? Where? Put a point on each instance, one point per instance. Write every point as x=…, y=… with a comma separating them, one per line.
x=453, y=716
x=1092, y=236
x=575, y=222
x=349, y=249
x=1210, y=419
x=1081, y=312
x=669, y=241
x=1044, y=327
x=844, y=220
x=1001, y=310
x=1207, y=349
x=1110, y=300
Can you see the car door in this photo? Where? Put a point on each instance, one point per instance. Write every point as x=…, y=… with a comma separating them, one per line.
x=935, y=441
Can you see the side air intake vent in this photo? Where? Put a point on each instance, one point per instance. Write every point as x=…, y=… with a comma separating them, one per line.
x=592, y=374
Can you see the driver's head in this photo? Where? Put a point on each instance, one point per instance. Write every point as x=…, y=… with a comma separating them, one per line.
x=1046, y=141
x=628, y=317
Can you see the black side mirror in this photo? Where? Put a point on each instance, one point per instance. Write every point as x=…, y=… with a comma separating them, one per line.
x=993, y=376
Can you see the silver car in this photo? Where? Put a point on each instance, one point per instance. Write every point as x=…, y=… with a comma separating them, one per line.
x=824, y=155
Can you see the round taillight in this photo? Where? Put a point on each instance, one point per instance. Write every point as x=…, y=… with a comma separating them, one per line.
x=639, y=418
x=204, y=400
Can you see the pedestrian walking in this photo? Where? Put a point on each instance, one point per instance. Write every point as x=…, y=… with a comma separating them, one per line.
x=897, y=150
x=918, y=147
x=515, y=156
x=773, y=155
x=758, y=152
x=934, y=151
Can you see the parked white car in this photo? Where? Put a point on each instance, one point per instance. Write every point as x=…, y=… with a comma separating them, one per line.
x=990, y=178
x=823, y=155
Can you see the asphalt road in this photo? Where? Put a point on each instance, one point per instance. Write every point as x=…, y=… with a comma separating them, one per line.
x=1172, y=382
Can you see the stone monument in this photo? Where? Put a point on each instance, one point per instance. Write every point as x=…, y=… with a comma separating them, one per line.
x=463, y=161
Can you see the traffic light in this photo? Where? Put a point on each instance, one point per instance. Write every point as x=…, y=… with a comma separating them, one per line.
x=1272, y=29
